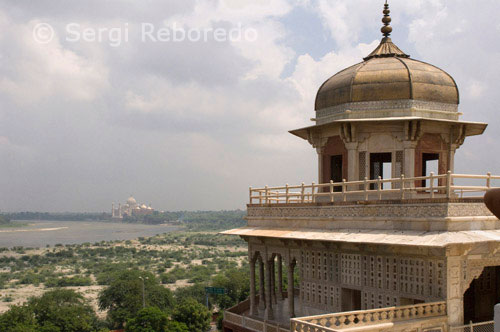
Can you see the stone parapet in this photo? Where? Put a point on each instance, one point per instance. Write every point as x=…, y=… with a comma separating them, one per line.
x=426, y=215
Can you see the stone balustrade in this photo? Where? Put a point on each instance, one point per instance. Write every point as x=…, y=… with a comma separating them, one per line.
x=422, y=187
x=250, y=323
x=347, y=320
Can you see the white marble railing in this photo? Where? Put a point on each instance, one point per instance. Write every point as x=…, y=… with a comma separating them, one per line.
x=488, y=326
x=252, y=324
x=422, y=187
x=347, y=320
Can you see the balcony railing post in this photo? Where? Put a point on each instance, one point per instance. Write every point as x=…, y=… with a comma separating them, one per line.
x=302, y=193
x=379, y=188
x=448, y=184
x=331, y=190
x=250, y=193
x=488, y=180
x=431, y=184
x=402, y=186
x=287, y=192
x=343, y=190
x=260, y=196
x=267, y=195
x=313, y=197
x=366, y=188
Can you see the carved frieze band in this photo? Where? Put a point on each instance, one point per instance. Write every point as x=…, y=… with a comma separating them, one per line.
x=385, y=210
x=387, y=105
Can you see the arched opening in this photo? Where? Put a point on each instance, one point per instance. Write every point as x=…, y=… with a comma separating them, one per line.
x=482, y=295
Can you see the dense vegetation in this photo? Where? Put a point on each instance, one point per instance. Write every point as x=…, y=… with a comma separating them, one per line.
x=4, y=220
x=192, y=220
x=59, y=310
x=175, y=268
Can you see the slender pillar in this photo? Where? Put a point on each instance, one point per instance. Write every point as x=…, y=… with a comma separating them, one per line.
x=291, y=290
x=352, y=161
x=280, y=278
x=253, y=305
x=451, y=157
x=320, y=166
x=454, y=291
x=409, y=158
x=262, y=296
x=268, y=314
x=273, y=281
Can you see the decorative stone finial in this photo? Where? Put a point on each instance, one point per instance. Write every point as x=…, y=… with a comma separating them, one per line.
x=386, y=29
x=386, y=48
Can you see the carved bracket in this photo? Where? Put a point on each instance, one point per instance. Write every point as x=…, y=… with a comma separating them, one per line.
x=457, y=135
x=413, y=130
x=348, y=133
x=316, y=140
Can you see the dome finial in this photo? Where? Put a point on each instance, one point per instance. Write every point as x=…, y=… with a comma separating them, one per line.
x=386, y=29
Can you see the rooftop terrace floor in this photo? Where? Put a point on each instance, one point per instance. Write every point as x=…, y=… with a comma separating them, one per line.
x=281, y=313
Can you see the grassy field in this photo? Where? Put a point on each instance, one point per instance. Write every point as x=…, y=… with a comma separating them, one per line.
x=179, y=259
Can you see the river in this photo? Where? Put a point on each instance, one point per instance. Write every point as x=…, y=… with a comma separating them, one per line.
x=39, y=233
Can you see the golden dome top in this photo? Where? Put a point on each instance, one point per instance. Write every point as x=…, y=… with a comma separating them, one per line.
x=388, y=74
x=388, y=78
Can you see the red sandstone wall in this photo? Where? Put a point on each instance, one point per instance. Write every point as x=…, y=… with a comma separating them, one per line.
x=334, y=146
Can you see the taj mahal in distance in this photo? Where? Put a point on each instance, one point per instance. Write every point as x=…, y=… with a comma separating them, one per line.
x=380, y=242
x=130, y=208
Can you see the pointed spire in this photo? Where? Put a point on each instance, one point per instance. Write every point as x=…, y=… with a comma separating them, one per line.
x=386, y=48
x=386, y=29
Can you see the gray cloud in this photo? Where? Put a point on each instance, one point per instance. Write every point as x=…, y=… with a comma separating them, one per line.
x=192, y=125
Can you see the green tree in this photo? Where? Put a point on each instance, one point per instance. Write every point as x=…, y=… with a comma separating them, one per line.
x=150, y=319
x=196, y=291
x=236, y=281
x=123, y=297
x=18, y=319
x=63, y=310
x=173, y=326
x=194, y=314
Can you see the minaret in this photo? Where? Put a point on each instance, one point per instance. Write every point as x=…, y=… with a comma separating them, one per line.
x=113, y=210
x=119, y=210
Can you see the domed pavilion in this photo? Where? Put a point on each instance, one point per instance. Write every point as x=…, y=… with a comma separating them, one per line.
x=389, y=238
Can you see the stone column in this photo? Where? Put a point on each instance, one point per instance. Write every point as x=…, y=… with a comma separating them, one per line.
x=352, y=161
x=253, y=305
x=268, y=314
x=454, y=293
x=409, y=159
x=451, y=158
x=280, y=278
x=262, y=296
x=320, y=166
x=273, y=281
x=291, y=290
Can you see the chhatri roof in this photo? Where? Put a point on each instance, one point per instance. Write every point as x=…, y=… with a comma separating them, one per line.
x=387, y=74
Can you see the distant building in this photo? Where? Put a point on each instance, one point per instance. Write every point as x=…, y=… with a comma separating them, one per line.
x=130, y=208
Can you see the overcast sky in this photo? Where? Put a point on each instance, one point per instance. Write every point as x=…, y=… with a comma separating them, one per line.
x=191, y=124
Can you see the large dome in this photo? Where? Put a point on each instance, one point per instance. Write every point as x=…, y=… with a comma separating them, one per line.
x=131, y=201
x=387, y=79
